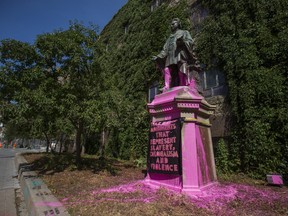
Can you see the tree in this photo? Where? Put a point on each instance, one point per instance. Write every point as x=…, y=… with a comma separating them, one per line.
x=18, y=79
x=53, y=85
x=70, y=56
x=28, y=90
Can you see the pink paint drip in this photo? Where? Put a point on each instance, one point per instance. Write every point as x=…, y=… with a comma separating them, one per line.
x=204, y=178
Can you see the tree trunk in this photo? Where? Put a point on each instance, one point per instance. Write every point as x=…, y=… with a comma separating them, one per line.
x=62, y=140
x=47, y=142
x=79, y=133
x=102, y=146
x=83, y=144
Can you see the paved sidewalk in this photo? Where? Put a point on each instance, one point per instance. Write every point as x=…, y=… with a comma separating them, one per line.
x=8, y=184
x=7, y=202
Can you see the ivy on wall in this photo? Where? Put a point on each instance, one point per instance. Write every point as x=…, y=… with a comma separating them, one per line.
x=134, y=35
x=249, y=41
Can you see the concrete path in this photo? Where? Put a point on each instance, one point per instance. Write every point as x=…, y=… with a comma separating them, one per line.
x=8, y=183
x=22, y=193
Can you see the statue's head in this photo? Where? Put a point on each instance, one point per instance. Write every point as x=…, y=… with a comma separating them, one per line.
x=175, y=24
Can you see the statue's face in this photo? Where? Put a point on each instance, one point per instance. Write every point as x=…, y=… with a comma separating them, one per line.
x=174, y=25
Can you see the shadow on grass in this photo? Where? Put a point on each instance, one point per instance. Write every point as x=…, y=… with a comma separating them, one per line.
x=48, y=163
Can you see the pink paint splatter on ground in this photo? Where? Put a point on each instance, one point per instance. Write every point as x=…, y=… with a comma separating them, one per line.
x=126, y=200
x=220, y=198
x=217, y=199
x=127, y=188
x=218, y=195
x=50, y=204
x=148, y=194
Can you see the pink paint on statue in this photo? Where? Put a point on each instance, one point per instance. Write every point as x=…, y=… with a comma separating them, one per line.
x=167, y=79
x=157, y=180
x=182, y=79
x=189, y=158
x=192, y=84
x=203, y=165
x=169, y=96
x=197, y=166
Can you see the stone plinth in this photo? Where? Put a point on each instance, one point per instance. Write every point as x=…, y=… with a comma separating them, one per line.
x=196, y=169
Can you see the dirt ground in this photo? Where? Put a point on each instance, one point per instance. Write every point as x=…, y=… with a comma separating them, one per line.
x=113, y=187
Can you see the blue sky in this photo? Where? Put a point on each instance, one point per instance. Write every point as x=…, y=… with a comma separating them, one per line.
x=24, y=19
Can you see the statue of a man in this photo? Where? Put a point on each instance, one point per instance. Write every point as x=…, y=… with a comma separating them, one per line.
x=177, y=59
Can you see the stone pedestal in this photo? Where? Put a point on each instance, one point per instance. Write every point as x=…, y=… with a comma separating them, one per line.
x=188, y=165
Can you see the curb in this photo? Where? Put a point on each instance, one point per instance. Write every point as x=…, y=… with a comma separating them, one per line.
x=38, y=198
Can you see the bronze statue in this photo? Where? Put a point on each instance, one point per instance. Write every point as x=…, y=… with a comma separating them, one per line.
x=177, y=59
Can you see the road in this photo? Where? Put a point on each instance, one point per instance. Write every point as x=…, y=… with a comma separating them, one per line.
x=9, y=184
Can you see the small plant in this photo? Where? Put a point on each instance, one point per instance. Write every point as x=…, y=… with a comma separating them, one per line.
x=140, y=162
x=222, y=159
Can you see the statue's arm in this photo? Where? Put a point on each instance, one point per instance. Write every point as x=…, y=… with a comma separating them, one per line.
x=163, y=54
x=160, y=58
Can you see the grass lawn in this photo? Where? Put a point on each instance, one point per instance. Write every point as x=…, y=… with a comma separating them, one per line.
x=113, y=187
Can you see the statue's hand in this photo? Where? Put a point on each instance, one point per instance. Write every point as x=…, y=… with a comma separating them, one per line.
x=154, y=58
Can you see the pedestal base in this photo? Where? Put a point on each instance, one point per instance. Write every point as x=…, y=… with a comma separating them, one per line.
x=172, y=182
x=190, y=191
x=174, y=186
x=197, y=171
